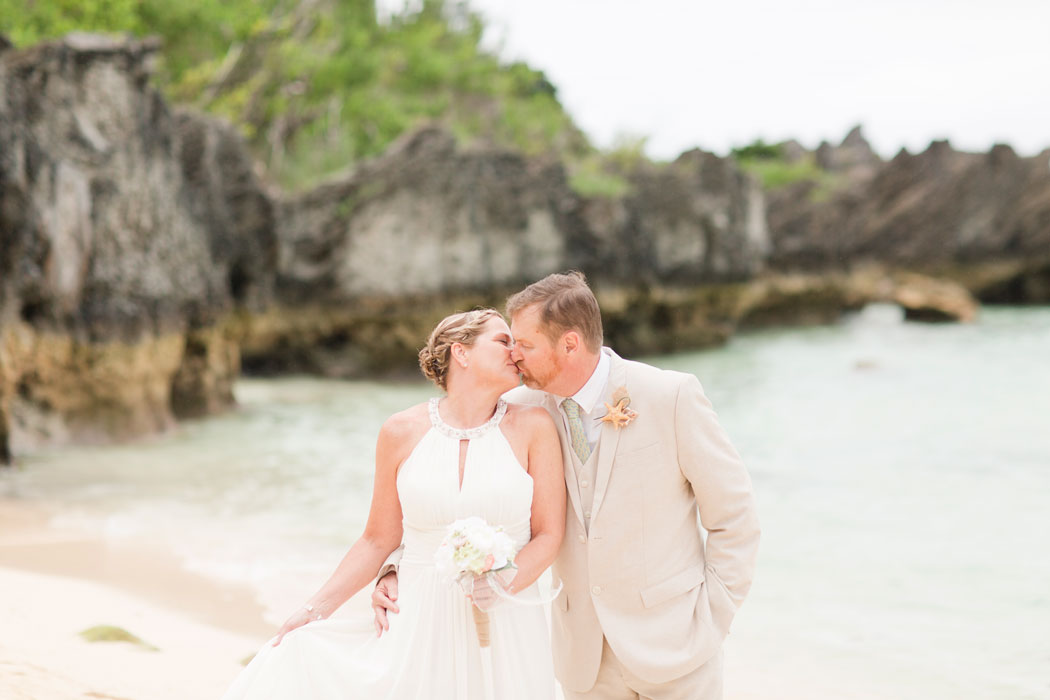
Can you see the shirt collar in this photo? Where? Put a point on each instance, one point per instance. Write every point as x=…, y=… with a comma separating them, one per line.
x=591, y=392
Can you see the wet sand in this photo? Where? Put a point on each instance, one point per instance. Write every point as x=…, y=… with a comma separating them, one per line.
x=55, y=584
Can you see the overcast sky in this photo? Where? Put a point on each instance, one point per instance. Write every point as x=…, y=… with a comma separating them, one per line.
x=691, y=73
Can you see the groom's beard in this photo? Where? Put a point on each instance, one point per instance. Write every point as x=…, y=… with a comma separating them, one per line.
x=540, y=380
x=526, y=378
x=528, y=381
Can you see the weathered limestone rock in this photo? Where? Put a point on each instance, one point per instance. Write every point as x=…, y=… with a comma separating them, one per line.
x=369, y=262
x=931, y=300
x=853, y=158
x=799, y=299
x=424, y=219
x=124, y=229
x=1009, y=282
x=58, y=390
x=815, y=298
x=792, y=151
x=203, y=382
x=698, y=220
x=930, y=211
x=135, y=232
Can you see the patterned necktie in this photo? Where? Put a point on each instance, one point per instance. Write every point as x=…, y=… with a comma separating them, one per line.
x=580, y=445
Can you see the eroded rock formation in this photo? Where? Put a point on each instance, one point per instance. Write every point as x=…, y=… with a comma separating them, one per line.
x=982, y=219
x=144, y=262
x=128, y=234
x=141, y=257
x=428, y=227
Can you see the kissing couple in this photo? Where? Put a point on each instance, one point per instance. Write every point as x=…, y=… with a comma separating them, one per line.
x=597, y=466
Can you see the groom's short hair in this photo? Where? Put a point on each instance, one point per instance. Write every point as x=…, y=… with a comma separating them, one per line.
x=565, y=303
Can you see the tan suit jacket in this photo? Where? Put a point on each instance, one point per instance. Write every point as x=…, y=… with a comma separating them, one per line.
x=642, y=576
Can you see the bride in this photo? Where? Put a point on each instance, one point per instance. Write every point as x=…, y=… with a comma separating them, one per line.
x=466, y=454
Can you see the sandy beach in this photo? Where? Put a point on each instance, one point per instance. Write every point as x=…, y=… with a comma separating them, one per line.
x=197, y=632
x=57, y=584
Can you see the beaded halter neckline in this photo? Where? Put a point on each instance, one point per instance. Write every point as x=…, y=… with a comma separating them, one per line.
x=465, y=433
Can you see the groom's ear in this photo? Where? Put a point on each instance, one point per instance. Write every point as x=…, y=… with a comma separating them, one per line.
x=570, y=342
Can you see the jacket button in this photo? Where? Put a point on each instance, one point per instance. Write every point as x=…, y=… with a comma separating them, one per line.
x=582, y=539
x=597, y=590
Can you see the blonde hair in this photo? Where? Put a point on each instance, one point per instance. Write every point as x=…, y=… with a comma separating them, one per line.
x=566, y=303
x=464, y=328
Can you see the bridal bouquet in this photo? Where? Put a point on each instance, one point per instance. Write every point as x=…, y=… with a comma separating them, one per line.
x=473, y=548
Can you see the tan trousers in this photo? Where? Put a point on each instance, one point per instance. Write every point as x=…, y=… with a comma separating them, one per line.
x=617, y=683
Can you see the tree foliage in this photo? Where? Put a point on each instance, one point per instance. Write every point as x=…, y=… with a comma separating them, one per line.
x=315, y=85
x=758, y=150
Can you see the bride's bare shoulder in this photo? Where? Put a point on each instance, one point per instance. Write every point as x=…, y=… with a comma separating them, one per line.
x=529, y=418
x=406, y=426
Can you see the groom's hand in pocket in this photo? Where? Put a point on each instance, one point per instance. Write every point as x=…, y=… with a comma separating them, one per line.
x=384, y=598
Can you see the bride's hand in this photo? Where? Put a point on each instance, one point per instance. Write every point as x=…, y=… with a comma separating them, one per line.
x=483, y=593
x=299, y=618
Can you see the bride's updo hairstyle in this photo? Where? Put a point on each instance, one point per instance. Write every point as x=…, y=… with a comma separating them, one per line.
x=464, y=328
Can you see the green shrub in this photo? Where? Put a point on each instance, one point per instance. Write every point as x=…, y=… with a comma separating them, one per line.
x=596, y=176
x=758, y=150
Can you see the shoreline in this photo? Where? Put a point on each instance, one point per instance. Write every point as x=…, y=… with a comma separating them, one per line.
x=30, y=543
x=58, y=583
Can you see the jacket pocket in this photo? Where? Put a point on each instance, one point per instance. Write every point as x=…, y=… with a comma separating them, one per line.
x=673, y=586
x=642, y=452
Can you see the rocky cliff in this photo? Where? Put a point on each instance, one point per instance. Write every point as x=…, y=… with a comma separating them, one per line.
x=144, y=261
x=128, y=233
x=982, y=219
x=375, y=258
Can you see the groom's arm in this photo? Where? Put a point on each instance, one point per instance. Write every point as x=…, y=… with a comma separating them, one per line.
x=392, y=562
x=722, y=489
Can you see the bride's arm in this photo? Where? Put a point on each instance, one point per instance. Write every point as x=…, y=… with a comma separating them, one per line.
x=382, y=533
x=548, y=501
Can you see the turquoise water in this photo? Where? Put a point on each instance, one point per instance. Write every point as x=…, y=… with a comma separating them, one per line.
x=901, y=470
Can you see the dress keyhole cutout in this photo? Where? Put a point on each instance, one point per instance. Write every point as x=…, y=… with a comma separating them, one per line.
x=463, y=444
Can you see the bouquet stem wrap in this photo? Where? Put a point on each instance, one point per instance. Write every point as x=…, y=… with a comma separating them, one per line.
x=472, y=547
x=481, y=623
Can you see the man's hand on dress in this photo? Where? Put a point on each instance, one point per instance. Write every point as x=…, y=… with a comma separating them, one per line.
x=384, y=599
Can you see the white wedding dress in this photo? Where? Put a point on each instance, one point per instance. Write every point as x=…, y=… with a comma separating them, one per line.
x=431, y=651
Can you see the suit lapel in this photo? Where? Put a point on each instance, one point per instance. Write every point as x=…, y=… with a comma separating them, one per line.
x=571, y=484
x=610, y=436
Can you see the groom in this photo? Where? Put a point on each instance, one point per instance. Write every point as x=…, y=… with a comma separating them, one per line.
x=646, y=601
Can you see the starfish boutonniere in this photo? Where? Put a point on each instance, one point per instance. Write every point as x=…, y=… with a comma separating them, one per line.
x=618, y=412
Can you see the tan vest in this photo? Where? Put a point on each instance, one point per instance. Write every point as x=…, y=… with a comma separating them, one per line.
x=585, y=473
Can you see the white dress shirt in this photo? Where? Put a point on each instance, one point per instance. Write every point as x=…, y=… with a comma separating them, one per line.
x=589, y=397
